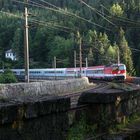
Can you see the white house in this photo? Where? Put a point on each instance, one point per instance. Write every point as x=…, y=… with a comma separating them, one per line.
x=10, y=54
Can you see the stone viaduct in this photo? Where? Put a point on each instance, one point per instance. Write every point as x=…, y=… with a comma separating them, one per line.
x=39, y=110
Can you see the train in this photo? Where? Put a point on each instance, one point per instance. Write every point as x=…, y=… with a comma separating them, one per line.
x=111, y=72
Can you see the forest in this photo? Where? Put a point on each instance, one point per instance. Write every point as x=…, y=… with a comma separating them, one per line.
x=107, y=28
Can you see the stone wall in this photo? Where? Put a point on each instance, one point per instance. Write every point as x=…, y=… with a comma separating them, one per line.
x=43, y=88
x=35, y=111
x=34, y=118
x=110, y=106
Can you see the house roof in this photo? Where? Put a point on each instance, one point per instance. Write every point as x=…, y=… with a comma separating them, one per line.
x=9, y=51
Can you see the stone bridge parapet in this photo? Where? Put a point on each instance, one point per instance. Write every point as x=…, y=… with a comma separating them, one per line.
x=36, y=118
x=110, y=105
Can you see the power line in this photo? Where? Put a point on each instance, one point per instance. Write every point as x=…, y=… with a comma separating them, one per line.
x=72, y=14
x=64, y=12
x=49, y=4
x=35, y=4
x=121, y=18
x=97, y=12
x=137, y=50
x=13, y=15
x=39, y=22
x=46, y=24
x=55, y=26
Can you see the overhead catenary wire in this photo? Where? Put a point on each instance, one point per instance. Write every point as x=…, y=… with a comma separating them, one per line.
x=123, y=19
x=137, y=50
x=49, y=4
x=11, y=14
x=97, y=12
x=64, y=28
x=62, y=11
x=47, y=25
x=118, y=16
x=39, y=22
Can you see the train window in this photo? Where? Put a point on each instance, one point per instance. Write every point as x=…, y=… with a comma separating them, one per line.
x=90, y=71
x=35, y=72
x=59, y=71
x=121, y=67
x=95, y=71
x=100, y=71
x=70, y=72
x=53, y=72
x=115, y=68
x=14, y=72
x=22, y=72
x=46, y=71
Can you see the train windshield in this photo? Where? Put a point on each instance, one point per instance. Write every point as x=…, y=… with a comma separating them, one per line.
x=119, y=67
x=122, y=67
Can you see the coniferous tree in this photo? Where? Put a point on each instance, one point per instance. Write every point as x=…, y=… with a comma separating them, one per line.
x=116, y=10
x=125, y=13
x=17, y=44
x=125, y=52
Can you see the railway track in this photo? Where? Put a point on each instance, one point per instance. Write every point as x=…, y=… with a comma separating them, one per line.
x=100, y=85
x=74, y=97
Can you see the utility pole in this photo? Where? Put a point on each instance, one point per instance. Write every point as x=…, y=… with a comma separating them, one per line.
x=118, y=54
x=26, y=45
x=74, y=59
x=55, y=66
x=54, y=60
x=75, y=62
x=80, y=52
x=86, y=62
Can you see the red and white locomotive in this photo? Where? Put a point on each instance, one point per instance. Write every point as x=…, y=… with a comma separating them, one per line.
x=113, y=72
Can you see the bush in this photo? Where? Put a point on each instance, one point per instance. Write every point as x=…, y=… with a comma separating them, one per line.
x=81, y=130
x=7, y=77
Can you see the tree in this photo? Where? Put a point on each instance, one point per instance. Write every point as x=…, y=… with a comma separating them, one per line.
x=125, y=13
x=111, y=52
x=17, y=44
x=62, y=49
x=125, y=52
x=116, y=10
x=90, y=57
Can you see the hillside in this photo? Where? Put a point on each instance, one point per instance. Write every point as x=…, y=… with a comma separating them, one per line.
x=106, y=27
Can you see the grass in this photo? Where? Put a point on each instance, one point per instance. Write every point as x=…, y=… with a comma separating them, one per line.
x=81, y=130
x=128, y=122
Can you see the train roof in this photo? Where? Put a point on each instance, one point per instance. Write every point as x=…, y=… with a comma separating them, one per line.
x=47, y=69
x=96, y=67
x=117, y=64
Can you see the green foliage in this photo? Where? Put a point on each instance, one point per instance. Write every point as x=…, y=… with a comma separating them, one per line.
x=116, y=10
x=128, y=122
x=126, y=54
x=81, y=130
x=62, y=49
x=45, y=42
x=7, y=77
x=101, y=52
x=17, y=44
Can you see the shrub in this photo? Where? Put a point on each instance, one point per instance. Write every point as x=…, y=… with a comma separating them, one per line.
x=7, y=77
